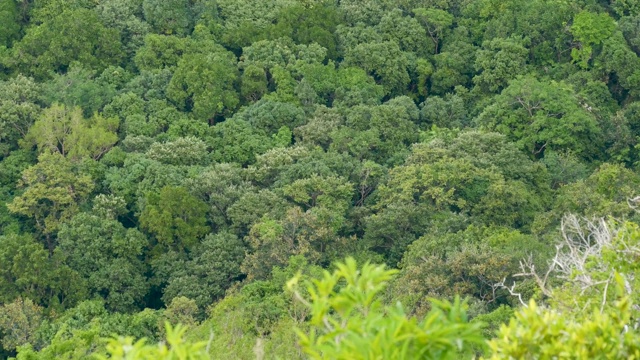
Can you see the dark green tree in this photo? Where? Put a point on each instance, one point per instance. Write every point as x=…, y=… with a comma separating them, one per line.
x=540, y=115
x=168, y=17
x=20, y=100
x=205, y=85
x=9, y=17
x=73, y=35
x=107, y=256
x=213, y=267
x=175, y=218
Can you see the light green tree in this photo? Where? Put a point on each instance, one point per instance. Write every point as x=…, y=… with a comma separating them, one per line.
x=175, y=348
x=589, y=30
x=592, y=312
x=538, y=333
x=349, y=321
x=66, y=132
x=53, y=191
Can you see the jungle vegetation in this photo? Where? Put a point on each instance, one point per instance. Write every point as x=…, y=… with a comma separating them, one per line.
x=319, y=179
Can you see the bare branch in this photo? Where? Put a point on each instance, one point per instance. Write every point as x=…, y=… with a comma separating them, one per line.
x=604, y=294
x=511, y=291
x=210, y=341
x=582, y=240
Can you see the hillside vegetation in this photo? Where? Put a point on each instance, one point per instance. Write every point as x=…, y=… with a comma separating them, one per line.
x=319, y=179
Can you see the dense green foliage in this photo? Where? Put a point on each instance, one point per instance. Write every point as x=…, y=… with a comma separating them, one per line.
x=171, y=162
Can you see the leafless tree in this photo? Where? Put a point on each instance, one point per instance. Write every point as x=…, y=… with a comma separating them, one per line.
x=582, y=240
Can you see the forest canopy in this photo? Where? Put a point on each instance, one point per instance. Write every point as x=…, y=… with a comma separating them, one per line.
x=323, y=179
